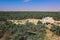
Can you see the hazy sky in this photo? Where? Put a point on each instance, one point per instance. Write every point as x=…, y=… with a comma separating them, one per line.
x=35, y=5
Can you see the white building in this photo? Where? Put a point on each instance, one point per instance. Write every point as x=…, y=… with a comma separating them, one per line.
x=47, y=20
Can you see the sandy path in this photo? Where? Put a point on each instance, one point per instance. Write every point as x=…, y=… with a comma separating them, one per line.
x=3, y=38
x=50, y=34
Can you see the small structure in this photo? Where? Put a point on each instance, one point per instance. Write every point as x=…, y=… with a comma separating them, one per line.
x=47, y=20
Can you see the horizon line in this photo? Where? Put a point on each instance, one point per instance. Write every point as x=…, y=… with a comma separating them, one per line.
x=30, y=11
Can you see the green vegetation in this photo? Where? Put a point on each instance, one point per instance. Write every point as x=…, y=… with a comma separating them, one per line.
x=55, y=30
x=24, y=15
x=29, y=31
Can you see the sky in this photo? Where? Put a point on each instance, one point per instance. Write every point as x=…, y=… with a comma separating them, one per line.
x=29, y=5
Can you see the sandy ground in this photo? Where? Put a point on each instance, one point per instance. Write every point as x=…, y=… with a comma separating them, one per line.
x=50, y=35
x=4, y=37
